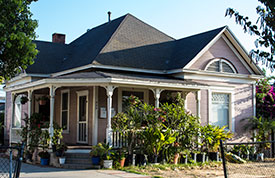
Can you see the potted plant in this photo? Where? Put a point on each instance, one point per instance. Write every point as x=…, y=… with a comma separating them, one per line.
x=60, y=152
x=24, y=100
x=96, y=153
x=122, y=159
x=42, y=100
x=107, y=156
x=44, y=157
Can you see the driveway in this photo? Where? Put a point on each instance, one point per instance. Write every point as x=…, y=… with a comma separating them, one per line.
x=33, y=171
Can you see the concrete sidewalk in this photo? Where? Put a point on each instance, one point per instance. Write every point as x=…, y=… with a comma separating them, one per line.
x=33, y=171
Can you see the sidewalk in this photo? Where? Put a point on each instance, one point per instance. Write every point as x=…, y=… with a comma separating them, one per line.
x=33, y=171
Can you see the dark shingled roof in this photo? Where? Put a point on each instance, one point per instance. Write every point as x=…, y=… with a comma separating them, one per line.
x=123, y=42
x=127, y=75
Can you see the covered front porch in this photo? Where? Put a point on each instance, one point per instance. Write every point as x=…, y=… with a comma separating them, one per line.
x=84, y=103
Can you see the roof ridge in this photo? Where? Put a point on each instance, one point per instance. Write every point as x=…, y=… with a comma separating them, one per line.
x=116, y=31
x=221, y=28
x=150, y=26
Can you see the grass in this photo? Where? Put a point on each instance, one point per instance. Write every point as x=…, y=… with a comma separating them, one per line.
x=153, y=169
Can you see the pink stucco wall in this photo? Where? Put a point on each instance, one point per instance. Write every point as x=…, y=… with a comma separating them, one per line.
x=220, y=50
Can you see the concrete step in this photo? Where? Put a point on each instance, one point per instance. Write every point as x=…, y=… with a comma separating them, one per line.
x=77, y=155
x=80, y=166
x=79, y=161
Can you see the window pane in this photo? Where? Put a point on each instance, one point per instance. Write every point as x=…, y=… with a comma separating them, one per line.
x=82, y=108
x=227, y=68
x=220, y=109
x=64, y=101
x=214, y=67
x=64, y=120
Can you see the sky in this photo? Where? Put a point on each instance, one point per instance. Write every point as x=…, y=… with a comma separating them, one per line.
x=176, y=18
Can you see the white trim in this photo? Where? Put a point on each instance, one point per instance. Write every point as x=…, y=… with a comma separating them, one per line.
x=221, y=60
x=68, y=109
x=95, y=115
x=17, y=104
x=83, y=93
x=214, y=40
x=130, y=69
x=254, y=99
x=120, y=89
x=231, y=108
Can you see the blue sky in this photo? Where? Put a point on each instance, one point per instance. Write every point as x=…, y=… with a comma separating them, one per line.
x=177, y=18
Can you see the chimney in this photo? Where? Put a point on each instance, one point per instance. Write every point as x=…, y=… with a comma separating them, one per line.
x=58, y=38
x=109, y=16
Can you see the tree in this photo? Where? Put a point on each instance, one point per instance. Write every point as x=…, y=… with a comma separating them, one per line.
x=264, y=29
x=17, y=50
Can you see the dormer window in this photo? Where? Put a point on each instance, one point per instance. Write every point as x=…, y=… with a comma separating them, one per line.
x=220, y=65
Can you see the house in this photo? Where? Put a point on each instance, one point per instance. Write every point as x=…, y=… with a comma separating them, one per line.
x=87, y=79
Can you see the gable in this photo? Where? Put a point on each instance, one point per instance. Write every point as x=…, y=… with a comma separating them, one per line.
x=220, y=49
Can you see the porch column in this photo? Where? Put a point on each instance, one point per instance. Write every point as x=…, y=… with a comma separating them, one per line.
x=109, y=92
x=184, y=96
x=13, y=96
x=157, y=93
x=29, y=103
x=198, y=99
x=52, y=96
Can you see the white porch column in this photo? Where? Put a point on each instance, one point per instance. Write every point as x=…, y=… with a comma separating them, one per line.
x=198, y=100
x=13, y=96
x=157, y=93
x=29, y=103
x=184, y=96
x=109, y=92
x=52, y=96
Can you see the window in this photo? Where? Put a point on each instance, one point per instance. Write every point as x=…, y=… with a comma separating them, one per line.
x=220, y=65
x=17, y=112
x=220, y=109
x=124, y=93
x=65, y=110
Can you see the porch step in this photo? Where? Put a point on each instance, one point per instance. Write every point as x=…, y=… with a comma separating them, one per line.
x=79, y=161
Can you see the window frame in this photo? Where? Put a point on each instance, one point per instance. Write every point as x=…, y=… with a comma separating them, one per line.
x=68, y=110
x=221, y=60
x=231, y=118
x=120, y=90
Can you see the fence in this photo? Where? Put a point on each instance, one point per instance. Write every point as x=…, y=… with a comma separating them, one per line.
x=10, y=161
x=252, y=159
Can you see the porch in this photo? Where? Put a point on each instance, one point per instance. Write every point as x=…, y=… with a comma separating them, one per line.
x=84, y=103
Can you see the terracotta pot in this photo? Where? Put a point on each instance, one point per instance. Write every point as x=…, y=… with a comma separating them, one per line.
x=176, y=158
x=122, y=161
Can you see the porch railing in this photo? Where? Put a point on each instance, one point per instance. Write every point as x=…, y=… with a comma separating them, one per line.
x=119, y=139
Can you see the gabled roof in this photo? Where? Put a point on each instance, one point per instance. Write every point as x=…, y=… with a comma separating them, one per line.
x=123, y=42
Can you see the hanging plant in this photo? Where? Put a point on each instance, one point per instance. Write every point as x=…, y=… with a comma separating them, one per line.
x=24, y=100
x=42, y=100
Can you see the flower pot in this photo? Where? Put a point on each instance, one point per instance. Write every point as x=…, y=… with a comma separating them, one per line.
x=44, y=161
x=62, y=160
x=176, y=158
x=122, y=161
x=108, y=164
x=95, y=160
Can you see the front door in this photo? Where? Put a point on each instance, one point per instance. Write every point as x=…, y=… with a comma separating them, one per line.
x=82, y=117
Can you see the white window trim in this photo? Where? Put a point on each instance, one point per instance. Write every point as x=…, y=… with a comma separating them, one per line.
x=68, y=110
x=145, y=94
x=83, y=93
x=231, y=109
x=220, y=65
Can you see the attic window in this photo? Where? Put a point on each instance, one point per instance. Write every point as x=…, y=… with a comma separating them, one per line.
x=220, y=65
